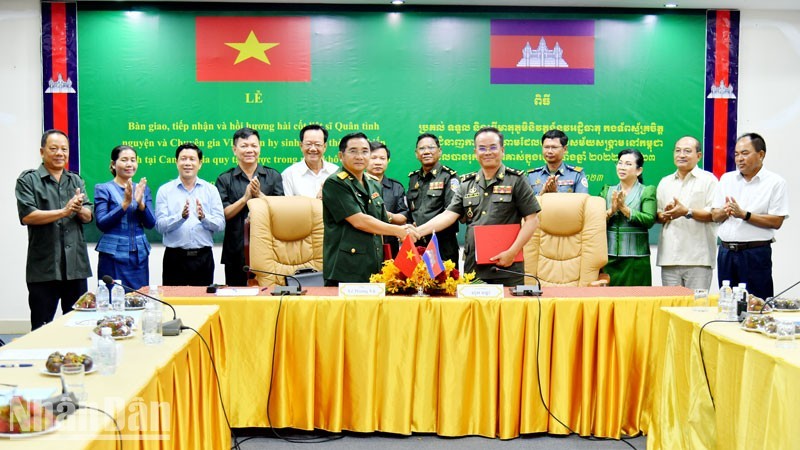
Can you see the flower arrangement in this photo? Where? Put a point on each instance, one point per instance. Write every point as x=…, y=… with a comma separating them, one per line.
x=398, y=283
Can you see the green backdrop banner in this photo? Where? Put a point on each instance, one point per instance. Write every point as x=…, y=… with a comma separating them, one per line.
x=391, y=75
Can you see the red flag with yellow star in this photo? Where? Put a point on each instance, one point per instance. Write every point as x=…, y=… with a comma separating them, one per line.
x=253, y=48
x=407, y=257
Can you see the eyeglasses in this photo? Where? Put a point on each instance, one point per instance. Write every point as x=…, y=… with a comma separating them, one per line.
x=552, y=147
x=684, y=151
x=313, y=144
x=626, y=163
x=429, y=148
x=492, y=148
x=363, y=153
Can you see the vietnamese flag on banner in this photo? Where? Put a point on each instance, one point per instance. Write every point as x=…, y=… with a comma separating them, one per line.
x=253, y=48
x=407, y=257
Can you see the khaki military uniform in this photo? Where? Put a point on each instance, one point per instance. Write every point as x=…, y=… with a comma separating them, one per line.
x=349, y=254
x=504, y=199
x=428, y=195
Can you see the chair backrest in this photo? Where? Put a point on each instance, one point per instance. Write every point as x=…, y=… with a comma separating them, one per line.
x=569, y=247
x=285, y=235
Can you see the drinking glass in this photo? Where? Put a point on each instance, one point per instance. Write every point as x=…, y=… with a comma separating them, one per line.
x=74, y=375
x=785, y=334
x=700, y=300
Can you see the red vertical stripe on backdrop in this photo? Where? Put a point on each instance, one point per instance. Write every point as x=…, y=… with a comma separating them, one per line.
x=59, y=47
x=721, y=73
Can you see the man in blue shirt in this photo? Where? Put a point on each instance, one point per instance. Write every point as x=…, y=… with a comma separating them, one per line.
x=188, y=213
x=555, y=176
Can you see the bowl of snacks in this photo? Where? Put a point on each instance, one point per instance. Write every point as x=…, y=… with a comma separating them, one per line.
x=757, y=305
x=787, y=304
x=86, y=302
x=121, y=326
x=56, y=360
x=134, y=301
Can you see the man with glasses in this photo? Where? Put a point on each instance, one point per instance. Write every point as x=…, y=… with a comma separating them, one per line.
x=236, y=186
x=430, y=190
x=355, y=217
x=305, y=178
x=687, y=245
x=555, y=176
x=494, y=195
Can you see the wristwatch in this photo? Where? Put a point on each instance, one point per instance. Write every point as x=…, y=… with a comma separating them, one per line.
x=688, y=214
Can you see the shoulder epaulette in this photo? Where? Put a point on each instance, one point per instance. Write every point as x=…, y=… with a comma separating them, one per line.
x=468, y=176
x=27, y=171
x=342, y=175
x=538, y=169
x=514, y=171
x=577, y=169
x=449, y=170
x=413, y=172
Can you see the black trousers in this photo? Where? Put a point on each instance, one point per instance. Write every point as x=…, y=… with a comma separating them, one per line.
x=43, y=298
x=188, y=267
x=234, y=275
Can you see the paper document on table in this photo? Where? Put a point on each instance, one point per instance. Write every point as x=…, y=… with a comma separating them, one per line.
x=237, y=292
x=25, y=354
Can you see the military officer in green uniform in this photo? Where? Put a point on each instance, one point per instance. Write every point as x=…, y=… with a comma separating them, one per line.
x=494, y=195
x=430, y=190
x=354, y=217
x=556, y=176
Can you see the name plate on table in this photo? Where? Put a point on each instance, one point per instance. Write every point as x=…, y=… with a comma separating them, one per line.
x=362, y=289
x=491, y=291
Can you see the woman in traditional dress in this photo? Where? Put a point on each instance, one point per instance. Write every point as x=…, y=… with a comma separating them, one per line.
x=631, y=211
x=123, y=210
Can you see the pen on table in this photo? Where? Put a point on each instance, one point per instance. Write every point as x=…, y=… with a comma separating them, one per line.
x=8, y=366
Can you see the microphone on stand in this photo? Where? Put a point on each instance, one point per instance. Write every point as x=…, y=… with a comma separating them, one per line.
x=771, y=300
x=280, y=290
x=169, y=328
x=523, y=289
x=63, y=404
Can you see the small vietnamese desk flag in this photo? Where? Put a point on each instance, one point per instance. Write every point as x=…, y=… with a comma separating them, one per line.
x=253, y=48
x=432, y=257
x=407, y=257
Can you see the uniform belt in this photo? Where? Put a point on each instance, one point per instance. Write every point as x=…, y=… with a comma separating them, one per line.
x=739, y=246
x=192, y=252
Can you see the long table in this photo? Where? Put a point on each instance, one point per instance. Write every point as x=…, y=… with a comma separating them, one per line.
x=755, y=387
x=163, y=397
x=443, y=365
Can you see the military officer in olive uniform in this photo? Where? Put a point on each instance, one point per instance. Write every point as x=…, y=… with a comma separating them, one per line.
x=555, y=176
x=430, y=190
x=494, y=195
x=394, y=194
x=354, y=218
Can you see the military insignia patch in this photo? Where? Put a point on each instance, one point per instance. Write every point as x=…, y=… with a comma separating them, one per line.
x=416, y=185
x=375, y=195
x=584, y=183
x=342, y=175
x=538, y=181
x=469, y=213
x=454, y=184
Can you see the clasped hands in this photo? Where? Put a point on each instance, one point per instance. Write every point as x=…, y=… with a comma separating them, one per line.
x=200, y=214
x=551, y=185
x=673, y=210
x=618, y=204
x=732, y=208
x=137, y=195
x=75, y=204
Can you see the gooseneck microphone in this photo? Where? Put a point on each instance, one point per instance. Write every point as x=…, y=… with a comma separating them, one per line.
x=64, y=404
x=169, y=328
x=523, y=289
x=280, y=290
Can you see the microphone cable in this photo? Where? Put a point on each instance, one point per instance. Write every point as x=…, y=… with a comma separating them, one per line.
x=116, y=425
x=294, y=440
x=219, y=388
x=541, y=395
x=702, y=356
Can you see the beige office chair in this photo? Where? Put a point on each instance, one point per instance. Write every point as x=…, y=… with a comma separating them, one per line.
x=285, y=234
x=569, y=247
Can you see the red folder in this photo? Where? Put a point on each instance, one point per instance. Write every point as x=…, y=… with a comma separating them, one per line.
x=490, y=240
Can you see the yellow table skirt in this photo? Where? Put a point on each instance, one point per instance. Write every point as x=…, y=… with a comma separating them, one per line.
x=163, y=397
x=442, y=365
x=754, y=385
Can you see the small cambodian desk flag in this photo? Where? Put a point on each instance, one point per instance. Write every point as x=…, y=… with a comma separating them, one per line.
x=432, y=257
x=407, y=257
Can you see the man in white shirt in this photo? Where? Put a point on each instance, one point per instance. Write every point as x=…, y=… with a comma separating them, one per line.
x=306, y=177
x=687, y=245
x=749, y=204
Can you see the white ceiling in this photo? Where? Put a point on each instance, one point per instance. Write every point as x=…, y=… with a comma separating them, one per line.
x=682, y=4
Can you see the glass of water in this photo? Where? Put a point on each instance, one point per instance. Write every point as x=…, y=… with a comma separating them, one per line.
x=784, y=334
x=700, y=300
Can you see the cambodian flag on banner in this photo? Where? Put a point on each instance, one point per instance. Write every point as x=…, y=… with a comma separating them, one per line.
x=432, y=257
x=542, y=51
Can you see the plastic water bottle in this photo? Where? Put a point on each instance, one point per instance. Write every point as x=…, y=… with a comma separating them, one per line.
x=725, y=303
x=117, y=297
x=103, y=300
x=151, y=323
x=106, y=357
x=745, y=296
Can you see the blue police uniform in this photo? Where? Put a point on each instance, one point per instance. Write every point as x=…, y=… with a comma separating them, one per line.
x=570, y=179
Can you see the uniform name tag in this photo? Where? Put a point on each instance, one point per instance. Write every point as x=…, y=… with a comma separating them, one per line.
x=566, y=182
x=502, y=189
